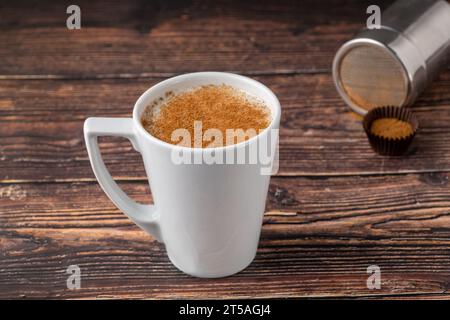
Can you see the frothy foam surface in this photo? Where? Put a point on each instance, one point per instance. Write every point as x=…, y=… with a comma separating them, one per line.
x=208, y=110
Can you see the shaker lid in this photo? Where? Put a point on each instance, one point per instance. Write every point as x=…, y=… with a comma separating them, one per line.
x=367, y=75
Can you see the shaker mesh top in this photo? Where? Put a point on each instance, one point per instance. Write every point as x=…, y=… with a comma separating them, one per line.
x=371, y=77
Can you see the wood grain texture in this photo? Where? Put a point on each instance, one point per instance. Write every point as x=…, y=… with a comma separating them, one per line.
x=320, y=246
x=137, y=38
x=42, y=125
x=334, y=209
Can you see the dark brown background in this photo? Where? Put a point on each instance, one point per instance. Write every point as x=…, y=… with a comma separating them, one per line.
x=334, y=208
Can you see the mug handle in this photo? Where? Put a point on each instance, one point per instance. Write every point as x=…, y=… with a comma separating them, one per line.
x=144, y=216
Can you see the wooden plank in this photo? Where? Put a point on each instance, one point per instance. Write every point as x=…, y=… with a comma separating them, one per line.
x=137, y=38
x=320, y=246
x=41, y=129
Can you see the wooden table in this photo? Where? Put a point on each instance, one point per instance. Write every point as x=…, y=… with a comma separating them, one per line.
x=333, y=209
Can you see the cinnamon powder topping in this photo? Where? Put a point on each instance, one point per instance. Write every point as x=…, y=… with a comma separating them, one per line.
x=219, y=107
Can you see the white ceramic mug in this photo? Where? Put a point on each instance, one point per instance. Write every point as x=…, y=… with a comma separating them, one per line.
x=208, y=216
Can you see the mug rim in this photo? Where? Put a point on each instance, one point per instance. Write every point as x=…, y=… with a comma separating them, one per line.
x=275, y=113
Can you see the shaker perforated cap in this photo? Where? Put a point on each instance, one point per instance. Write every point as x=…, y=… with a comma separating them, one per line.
x=392, y=64
x=369, y=75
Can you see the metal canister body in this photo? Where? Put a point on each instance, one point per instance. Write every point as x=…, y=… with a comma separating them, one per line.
x=392, y=65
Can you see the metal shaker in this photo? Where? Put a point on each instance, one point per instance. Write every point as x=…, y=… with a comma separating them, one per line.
x=392, y=65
